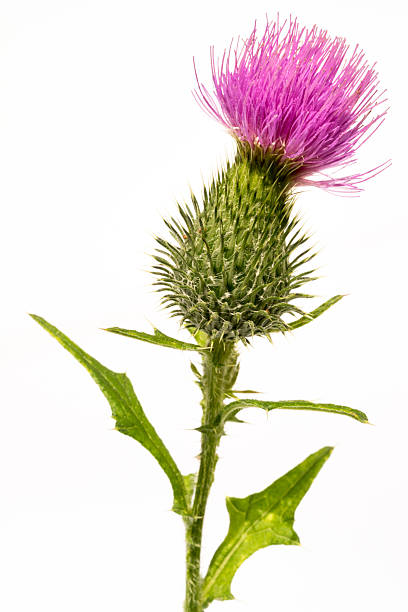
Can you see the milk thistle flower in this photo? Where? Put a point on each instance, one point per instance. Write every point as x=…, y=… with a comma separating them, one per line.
x=298, y=94
x=234, y=264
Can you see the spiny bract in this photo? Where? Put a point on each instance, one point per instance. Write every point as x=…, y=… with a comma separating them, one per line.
x=234, y=267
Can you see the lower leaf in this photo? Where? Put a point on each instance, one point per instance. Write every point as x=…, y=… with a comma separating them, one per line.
x=260, y=520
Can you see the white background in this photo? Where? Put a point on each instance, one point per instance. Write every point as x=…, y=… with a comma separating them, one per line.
x=99, y=136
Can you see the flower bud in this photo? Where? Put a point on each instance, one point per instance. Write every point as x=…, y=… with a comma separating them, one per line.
x=234, y=267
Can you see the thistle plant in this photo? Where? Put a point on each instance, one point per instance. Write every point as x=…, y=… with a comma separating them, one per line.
x=234, y=263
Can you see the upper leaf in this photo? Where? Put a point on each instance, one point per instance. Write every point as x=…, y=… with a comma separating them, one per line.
x=310, y=316
x=127, y=412
x=157, y=338
x=234, y=407
x=260, y=520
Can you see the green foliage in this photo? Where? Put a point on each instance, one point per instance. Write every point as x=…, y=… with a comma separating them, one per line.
x=234, y=407
x=257, y=521
x=128, y=414
x=310, y=316
x=157, y=338
x=236, y=263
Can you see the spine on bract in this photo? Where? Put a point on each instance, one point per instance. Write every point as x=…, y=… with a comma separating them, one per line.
x=234, y=264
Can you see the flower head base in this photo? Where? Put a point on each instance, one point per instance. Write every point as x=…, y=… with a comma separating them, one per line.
x=238, y=262
x=298, y=94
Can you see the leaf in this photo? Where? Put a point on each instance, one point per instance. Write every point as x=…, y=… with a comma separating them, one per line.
x=157, y=338
x=199, y=335
x=127, y=412
x=315, y=313
x=234, y=407
x=260, y=520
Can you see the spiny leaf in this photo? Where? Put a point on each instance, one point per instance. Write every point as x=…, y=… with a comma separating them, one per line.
x=234, y=407
x=260, y=520
x=157, y=338
x=315, y=313
x=127, y=412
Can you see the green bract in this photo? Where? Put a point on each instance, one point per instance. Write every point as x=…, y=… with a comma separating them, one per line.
x=236, y=264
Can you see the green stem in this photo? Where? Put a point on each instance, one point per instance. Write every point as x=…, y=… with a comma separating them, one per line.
x=219, y=372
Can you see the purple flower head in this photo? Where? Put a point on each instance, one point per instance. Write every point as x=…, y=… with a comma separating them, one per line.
x=300, y=95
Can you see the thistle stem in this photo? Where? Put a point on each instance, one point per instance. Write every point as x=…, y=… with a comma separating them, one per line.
x=219, y=371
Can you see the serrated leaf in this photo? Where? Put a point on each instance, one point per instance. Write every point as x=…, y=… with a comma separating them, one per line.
x=234, y=407
x=157, y=338
x=127, y=412
x=315, y=313
x=260, y=520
